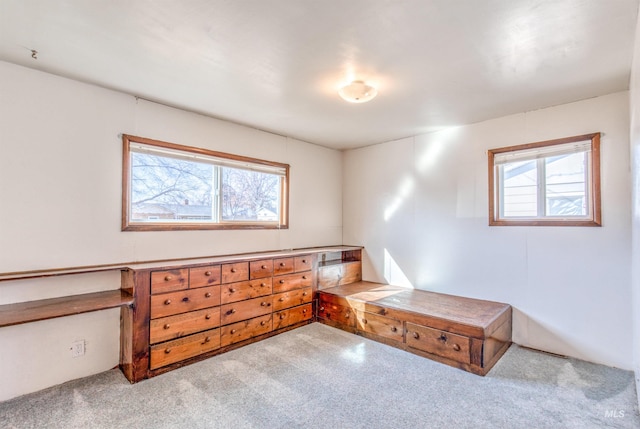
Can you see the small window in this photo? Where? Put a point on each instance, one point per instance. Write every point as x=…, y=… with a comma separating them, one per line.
x=553, y=183
x=172, y=187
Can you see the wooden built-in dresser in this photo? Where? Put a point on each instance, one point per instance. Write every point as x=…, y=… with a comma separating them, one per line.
x=188, y=312
x=174, y=313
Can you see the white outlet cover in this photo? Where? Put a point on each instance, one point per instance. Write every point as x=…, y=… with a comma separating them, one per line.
x=77, y=348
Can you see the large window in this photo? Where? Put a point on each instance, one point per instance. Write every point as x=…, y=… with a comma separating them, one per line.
x=555, y=182
x=170, y=187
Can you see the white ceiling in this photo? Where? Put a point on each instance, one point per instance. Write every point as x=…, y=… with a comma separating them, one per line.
x=276, y=64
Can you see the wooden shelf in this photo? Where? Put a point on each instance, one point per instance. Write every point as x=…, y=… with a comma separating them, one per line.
x=86, y=269
x=33, y=311
x=332, y=262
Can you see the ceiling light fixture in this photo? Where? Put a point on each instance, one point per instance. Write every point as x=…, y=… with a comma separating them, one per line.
x=357, y=92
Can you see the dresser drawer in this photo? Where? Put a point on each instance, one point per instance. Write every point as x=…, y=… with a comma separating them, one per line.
x=240, y=291
x=170, y=327
x=169, y=280
x=302, y=263
x=292, y=298
x=204, y=276
x=441, y=343
x=182, y=301
x=184, y=348
x=244, y=330
x=292, y=316
x=336, y=313
x=291, y=281
x=230, y=313
x=261, y=269
x=282, y=266
x=235, y=272
x=380, y=325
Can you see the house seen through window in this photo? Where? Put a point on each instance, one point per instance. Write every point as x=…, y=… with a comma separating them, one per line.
x=554, y=182
x=168, y=186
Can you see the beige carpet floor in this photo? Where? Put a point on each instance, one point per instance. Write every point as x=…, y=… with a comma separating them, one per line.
x=320, y=377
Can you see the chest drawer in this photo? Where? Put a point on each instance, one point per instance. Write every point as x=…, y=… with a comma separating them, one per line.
x=235, y=272
x=170, y=327
x=169, y=280
x=441, y=343
x=244, y=330
x=182, y=301
x=291, y=281
x=261, y=269
x=380, y=325
x=184, y=348
x=292, y=316
x=245, y=290
x=302, y=263
x=291, y=298
x=230, y=313
x=336, y=313
x=204, y=276
x=282, y=266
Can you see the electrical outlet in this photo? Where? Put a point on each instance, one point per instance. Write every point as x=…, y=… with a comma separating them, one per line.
x=77, y=348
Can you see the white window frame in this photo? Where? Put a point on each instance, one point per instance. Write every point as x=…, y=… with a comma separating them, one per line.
x=587, y=143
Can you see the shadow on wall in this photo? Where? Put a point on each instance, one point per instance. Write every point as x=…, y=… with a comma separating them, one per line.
x=393, y=274
x=536, y=334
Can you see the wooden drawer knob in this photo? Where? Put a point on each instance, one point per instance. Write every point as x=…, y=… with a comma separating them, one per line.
x=166, y=326
x=456, y=347
x=282, y=264
x=207, y=273
x=168, y=278
x=233, y=310
x=185, y=299
x=264, y=267
x=262, y=323
x=233, y=331
x=167, y=350
x=232, y=290
x=416, y=335
x=281, y=299
x=364, y=321
x=443, y=338
x=282, y=316
x=233, y=270
x=304, y=310
x=263, y=284
x=206, y=340
x=208, y=316
x=304, y=261
x=167, y=301
x=281, y=282
x=394, y=329
x=207, y=295
x=304, y=293
x=265, y=304
x=304, y=277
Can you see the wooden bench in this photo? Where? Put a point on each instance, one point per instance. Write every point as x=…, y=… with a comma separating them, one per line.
x=466, y=333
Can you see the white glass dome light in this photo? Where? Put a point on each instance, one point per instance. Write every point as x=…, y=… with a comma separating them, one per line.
x=357, y=92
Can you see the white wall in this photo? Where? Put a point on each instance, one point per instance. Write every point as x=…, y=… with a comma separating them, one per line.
x=60, y=206
x=635, y=202
x=426, y=198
